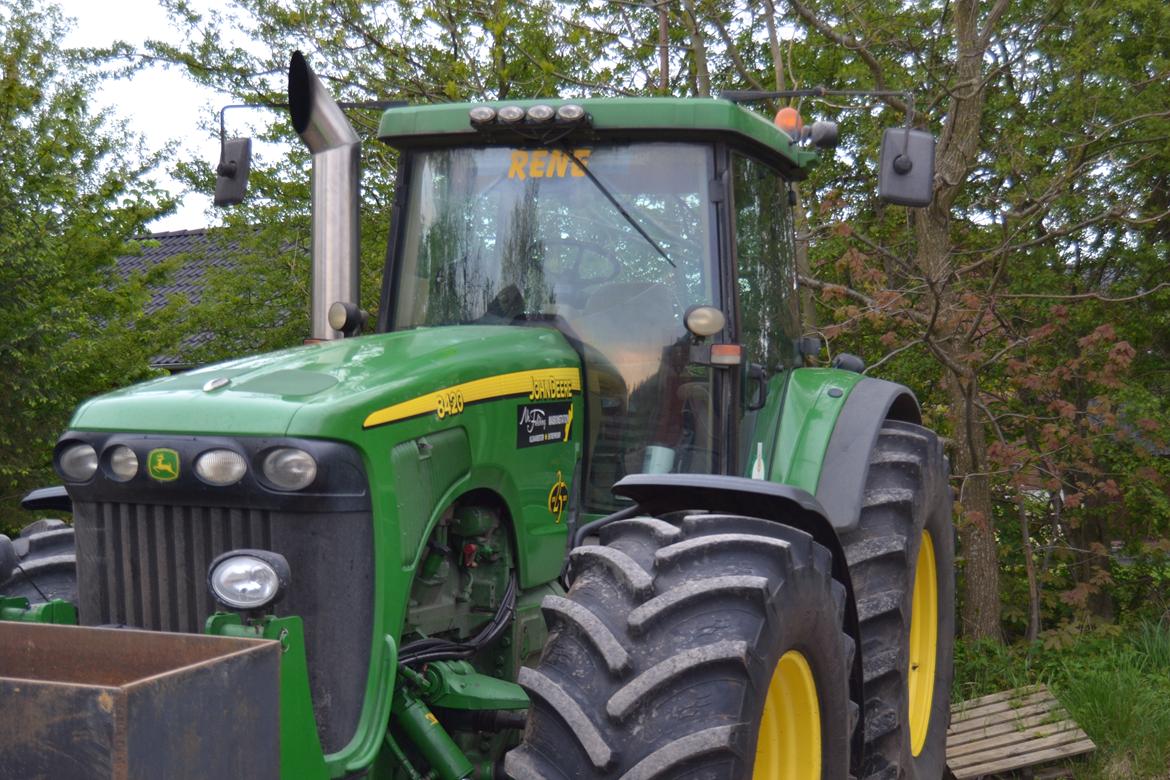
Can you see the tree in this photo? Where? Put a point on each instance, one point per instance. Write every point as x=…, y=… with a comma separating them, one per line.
x=71, y=198
x=1051, y=192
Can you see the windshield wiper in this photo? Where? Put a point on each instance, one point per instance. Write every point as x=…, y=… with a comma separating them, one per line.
x=621, y=209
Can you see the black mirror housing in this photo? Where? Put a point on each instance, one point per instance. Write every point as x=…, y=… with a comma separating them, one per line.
x=906, y=167
x=231, y=175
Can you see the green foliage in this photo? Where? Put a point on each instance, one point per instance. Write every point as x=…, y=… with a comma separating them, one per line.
x=1034, y=286
x=71, y=196
x=1038, y=292
x=1114, y=684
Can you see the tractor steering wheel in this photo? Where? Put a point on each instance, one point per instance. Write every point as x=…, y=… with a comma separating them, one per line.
x=589, y=266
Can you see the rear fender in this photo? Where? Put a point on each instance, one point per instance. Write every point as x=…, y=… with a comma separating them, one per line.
x=820, y=438
x=841, y=484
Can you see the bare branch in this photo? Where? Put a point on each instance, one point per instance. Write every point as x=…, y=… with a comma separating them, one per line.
x=579, y=82
x=1091, y=296
x=851, y=43
x=891, y=355
x=734, y=55
x=774, y=45
x=848, y=292
x=989, y=24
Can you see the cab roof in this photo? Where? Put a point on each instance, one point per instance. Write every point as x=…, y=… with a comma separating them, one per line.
x=626, y=118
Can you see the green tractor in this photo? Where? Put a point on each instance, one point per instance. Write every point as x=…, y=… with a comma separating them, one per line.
x=575, y=508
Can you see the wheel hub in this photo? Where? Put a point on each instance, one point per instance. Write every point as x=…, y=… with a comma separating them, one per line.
x=923, y=644
x=789, y=743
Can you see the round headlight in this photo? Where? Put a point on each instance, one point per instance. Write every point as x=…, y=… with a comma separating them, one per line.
x=78, y=462
x=510, y=115
x=289, y=468
x=221, y=467
x=123, y=463
x=541, y=113
x=570, y=112
x=248, y=579
x=482, y=115
x=704, y=321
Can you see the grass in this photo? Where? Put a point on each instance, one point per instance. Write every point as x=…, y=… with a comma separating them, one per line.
x=1115, y=685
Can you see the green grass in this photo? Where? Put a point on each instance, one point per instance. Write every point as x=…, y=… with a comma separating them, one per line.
x=1115, y=685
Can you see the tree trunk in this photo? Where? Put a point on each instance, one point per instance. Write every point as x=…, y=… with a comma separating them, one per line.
x=663, y=50
x=1091, y=539
x=980, y=615
x=698, y=50
x=1033, y=629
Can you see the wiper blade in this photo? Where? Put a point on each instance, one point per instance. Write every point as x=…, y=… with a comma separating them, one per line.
x=621, y=209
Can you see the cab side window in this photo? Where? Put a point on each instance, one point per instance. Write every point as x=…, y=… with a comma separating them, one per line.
x=768, y=303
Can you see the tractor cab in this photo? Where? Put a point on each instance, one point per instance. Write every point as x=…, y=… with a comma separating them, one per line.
x=664, y=257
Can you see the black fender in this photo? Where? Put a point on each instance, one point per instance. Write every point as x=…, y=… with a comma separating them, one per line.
x=662, y=493
x=842, y=482
x=54, y=498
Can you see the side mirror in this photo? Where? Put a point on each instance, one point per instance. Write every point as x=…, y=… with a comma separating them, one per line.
x=231, y=175
x=756, y=373
x=906, y=167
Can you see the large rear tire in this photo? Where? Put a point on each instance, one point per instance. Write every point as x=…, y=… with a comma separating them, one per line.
x=901, y=560
x=708, y=649
x=46, y=564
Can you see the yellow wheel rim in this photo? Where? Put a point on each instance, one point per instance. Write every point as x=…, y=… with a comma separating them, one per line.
x=789, y=744
x=923, y=644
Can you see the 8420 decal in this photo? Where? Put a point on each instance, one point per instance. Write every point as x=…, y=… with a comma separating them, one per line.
x=448, y=403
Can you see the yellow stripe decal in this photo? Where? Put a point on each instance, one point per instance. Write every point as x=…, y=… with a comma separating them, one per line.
x=537, y=385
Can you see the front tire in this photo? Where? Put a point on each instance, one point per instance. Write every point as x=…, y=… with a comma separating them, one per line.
x=46, y=563
x=901, y=560
x=708, y=649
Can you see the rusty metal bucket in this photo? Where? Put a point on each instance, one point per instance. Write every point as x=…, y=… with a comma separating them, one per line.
x=80, y=702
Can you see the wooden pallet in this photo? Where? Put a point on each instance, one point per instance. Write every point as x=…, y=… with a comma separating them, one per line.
x=1011, y=730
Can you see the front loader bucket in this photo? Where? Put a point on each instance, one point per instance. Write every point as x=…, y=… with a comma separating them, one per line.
x=117, y=703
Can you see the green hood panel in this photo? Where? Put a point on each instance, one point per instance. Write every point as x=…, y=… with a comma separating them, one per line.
x=323, y=390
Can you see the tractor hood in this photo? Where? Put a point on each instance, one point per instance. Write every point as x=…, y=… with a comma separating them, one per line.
x=323, y=390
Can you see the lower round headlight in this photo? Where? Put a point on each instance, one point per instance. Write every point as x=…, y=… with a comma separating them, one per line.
x=123, y=463
x=289, y=468
x=248, y=579
x=221, y=467
x=78, y=462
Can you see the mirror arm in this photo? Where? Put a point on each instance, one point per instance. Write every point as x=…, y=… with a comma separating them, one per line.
x=228, y=171
x=752, y=96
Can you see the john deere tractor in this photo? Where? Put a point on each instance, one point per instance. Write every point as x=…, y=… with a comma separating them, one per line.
x=573, y=509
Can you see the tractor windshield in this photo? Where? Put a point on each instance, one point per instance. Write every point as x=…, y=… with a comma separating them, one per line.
x=613, y=256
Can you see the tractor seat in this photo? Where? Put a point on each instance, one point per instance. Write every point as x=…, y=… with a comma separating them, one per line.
x=639, y=316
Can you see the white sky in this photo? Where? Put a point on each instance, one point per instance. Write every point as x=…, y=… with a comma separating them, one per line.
x=160, y=103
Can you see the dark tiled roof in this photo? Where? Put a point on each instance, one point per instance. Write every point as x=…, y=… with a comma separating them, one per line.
x=201, y=249
x=197, y=250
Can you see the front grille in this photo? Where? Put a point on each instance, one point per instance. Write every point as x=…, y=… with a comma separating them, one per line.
x=145, y=565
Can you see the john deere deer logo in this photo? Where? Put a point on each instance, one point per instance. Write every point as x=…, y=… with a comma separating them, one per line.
x=163, y=465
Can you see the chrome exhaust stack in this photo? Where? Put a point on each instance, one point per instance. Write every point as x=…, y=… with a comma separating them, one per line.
x=336, y=151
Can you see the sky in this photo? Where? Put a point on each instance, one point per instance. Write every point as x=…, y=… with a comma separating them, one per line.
x=160, y=103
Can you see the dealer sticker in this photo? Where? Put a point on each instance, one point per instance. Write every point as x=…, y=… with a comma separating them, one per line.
x=545, y=423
